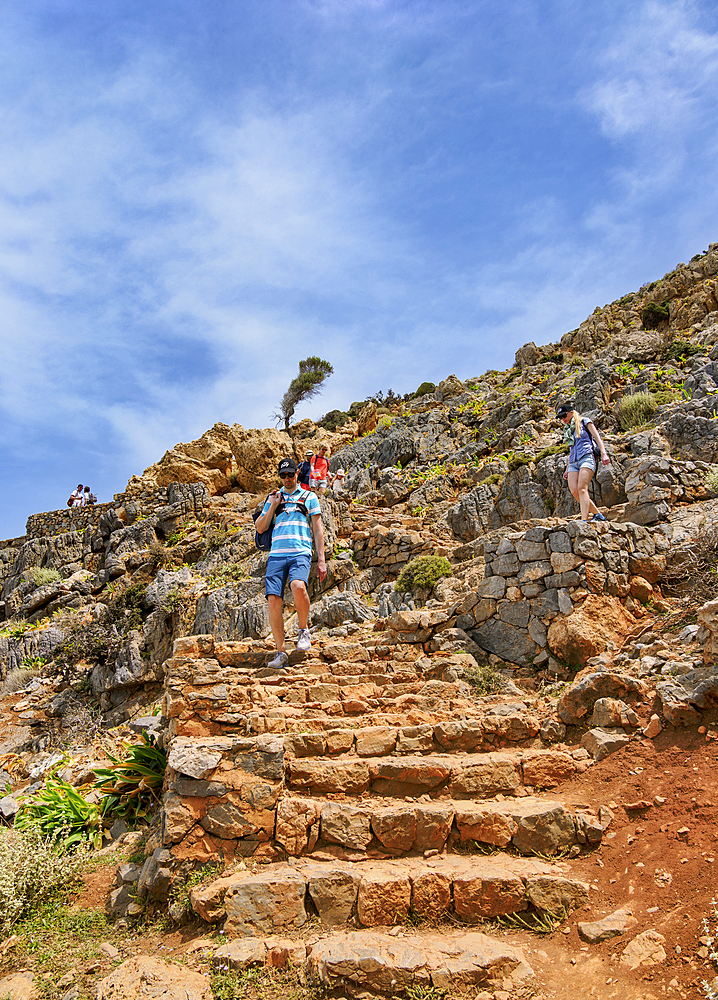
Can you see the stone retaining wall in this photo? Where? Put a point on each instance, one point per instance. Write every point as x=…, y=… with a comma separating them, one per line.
x=539, y=577
x=59, y=522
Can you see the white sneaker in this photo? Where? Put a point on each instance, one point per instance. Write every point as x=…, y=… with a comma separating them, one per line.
x=280, y=661
x=304, y=640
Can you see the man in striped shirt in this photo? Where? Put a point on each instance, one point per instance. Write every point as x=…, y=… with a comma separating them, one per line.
x=290, y=557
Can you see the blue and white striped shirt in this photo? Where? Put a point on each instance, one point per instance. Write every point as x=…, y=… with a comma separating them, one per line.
x=292, y=534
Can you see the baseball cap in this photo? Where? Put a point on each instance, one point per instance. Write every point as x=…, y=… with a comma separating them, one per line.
x=564, y=409
x=287, y=465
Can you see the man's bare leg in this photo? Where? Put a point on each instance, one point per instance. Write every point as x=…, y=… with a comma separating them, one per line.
x=276, y=620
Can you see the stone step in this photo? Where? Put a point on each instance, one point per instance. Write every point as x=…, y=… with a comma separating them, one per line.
x=458, y=775
x=370, y=963
x=283, y=897
x=358, y=827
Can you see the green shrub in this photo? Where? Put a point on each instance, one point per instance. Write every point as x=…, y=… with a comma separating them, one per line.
x=43, y=575
x=132, y=784
x=654, y=314
x=556, y=358
x=493, y=480
x=422, y=573
x=635, y=410
x=334, y=419
x=485, y=680
x=711, y=479
x=576, y=361
x=554, y=449
x=59, y=811
x=424, y=389
x=682, y=349
x=516, y=461
x=356, y=408
x=33, y=868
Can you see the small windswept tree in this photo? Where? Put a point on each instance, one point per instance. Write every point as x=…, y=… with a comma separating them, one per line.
x=312, y=374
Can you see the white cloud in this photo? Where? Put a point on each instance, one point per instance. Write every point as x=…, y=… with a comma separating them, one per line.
x=655, y=73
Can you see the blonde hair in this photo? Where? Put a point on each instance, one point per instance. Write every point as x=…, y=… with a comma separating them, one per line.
x=577, y=423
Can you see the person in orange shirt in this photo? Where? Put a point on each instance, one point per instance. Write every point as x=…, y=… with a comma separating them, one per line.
x=319, y=477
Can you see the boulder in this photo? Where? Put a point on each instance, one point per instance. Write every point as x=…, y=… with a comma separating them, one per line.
x=615, y=924
x=258, y=454
x=578, y=700
x=148, y=978
x=206, y=460
x=646, y=949
x=601, y=743
x=683, y=696
x=586, y=633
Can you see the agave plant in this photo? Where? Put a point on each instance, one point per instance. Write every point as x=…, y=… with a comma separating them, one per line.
x=59, y=810
x=131, y=784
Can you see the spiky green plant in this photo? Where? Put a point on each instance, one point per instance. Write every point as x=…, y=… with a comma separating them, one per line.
x=59, y=811
x=131, y=785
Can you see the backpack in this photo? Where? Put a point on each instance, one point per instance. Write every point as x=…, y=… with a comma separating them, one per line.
x=92, y=498
x=263, y=539
x=71, y=502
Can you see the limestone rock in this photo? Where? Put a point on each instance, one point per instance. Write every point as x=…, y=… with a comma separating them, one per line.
x=206, y=460
x=612, y=712
x=240, y=954
x=258, y=454
x=149, y=978
x=334, y=893
x=645, y=949
x=577, y=700
x=600, y=743
x=384, y=897
x=587, y=632
x=19, y=986
x=553, y=893
x=682, y=696
x=613, y=925
x=297, y=827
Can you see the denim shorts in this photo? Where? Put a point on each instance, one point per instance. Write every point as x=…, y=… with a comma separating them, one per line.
x=587, y=462
x=283, y=568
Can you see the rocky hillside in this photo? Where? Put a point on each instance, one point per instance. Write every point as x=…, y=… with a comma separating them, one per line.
x=486, y=671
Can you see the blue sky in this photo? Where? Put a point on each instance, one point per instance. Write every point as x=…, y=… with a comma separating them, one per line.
x=194, y=196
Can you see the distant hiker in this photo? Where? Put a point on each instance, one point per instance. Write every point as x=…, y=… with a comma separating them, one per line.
x=290, y=558
x=338, y=483
x=319, y=477
x=305, y=469
x=76, y=498
x=89, y=498
x=581, y=434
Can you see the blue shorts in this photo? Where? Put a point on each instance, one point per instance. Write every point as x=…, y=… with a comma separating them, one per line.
x=587, y=462
x=283, y=568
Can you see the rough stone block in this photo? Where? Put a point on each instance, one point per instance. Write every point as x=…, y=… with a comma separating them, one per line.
x=266, y=903
x=384, y=898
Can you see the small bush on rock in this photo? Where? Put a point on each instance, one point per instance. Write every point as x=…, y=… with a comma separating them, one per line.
x=485, y=680
x=711, y=479
x=43, y=575
x=33, y=868
x=422, y=574
x=654, y=314
x=334, y=419
x=424, y=389
x=682, y=349
x=635, y=410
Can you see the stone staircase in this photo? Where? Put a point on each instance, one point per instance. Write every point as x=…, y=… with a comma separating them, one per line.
x=364, y=787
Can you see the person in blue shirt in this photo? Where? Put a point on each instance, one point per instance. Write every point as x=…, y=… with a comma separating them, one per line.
x=290, y=557
x=305, y=469
x=581, y=433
